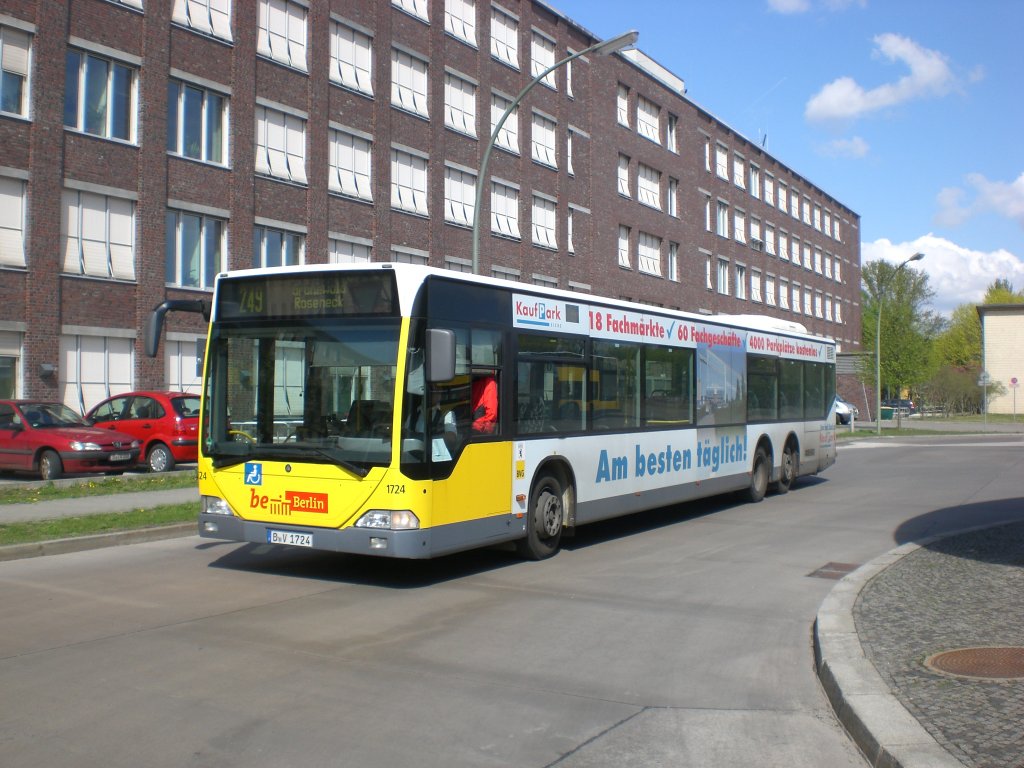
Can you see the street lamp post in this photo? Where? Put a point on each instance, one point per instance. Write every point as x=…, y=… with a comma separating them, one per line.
x=878, y=345
x=603, y=48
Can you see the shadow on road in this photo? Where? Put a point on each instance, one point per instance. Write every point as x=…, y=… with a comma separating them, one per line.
x=964, y=517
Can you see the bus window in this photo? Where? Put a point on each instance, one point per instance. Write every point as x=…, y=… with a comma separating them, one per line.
x=791, y=390
x=667, y=376
x=762, y=388
x=721, y=385
x=816, y=401
x=617, y=403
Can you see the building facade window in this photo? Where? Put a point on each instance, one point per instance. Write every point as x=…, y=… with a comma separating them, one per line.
x=741, y=282
x=195, y=249
x=769, y=190
x=723, y=219
x=459, y=104
x=409, y=182
x=542, y=141
x=98, y=235
x=673, y=198
x=624, y=260
x=649, y=186
x=100, y=96
x=282, y=32
x=508, y=136
x=544, y=222
x=344, y=251
x=15, y=50
x=649, y=254
x=409, y=83
x=722, y=162
x=197, y=120
x=769, y=290
x=673, y=262
x=648, y=120
x=542, y=56
x=739, y=226
x=755, y=181
x=417, y=8
x=783, y=246
x=755, y=285
x=671, y=134
x=739, y=172
x=622, y=105
x=505, y=210
x=504, y=37
x=94, y=367
x=570, y=223
x=769, y=240
x=783, y=294
x=280, y=145
x=459, y=196
x=350, y=161
x=351, y=58
x=272, y=247
x=460, y=20
x=12, y=222
x=212, y=17
x=623, y=176
x=723, y=277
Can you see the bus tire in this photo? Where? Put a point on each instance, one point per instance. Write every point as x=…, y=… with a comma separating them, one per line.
x=544, y=520
x=787, y=472
x=760, y=474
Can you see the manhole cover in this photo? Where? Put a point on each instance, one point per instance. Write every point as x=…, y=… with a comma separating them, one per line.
x=999, y=663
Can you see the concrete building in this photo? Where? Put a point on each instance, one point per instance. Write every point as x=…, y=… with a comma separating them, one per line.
x=146, y=146
x=1002, y=327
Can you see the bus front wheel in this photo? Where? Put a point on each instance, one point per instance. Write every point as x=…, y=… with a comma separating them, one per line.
x=544, y=520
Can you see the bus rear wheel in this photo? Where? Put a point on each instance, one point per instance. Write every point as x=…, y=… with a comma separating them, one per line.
x=787, y=472
x=544, y=520
x=760, y=473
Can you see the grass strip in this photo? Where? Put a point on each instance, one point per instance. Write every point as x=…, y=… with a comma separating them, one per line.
x=24, y=494
x=89, y=525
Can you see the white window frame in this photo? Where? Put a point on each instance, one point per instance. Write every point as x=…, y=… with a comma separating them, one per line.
x=16, y=61
x=81, y=96
x=409, y=83
x=460, y=20
x=755, y=181
x=739, y=172
x=739, y=226
x=543, y=137
x=505, y=209
x=293, y=246
x=508, y=136
x=722, y=219
x=722, y=162
x=504, y=37
x=783, y=294
x=624, y=260
x=13, y=209
x=672, y=133
x=211, y=17
x=673, y=197
x=177, y=131
x=350, y=164
x=722, y=282
x=351, y=57
x=349, y=250
x=648, y=119
x=280, y=144
x=622, y=105
x=98, y=235
x=459, y=195
x=208, y=265
x=755, y=285
x=673, y=262
x=769, y=290
x=544, y=221
x=409, y=182
x=648, y=186
x=648, y=254
x=542, y=56
x=769, y=239
x=460, y=104
x=769, y=190
x=622, y=176
x=281, y=34
x=418, y=8
x=741, y=282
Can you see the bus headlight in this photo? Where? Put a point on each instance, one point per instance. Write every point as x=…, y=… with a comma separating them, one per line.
x=389, y=519
x=214, y=505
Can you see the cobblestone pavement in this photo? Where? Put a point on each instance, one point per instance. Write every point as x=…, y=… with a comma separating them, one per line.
x=965, y=591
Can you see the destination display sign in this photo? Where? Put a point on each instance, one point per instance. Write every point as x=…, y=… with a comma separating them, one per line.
x=318, y=294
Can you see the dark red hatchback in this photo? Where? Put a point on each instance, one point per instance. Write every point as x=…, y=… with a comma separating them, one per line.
x=50, y=439
x=166, y=423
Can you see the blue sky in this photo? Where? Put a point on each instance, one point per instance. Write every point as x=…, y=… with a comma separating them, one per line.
x=908, y=111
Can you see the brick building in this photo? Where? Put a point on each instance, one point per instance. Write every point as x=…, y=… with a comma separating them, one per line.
x=145, y=146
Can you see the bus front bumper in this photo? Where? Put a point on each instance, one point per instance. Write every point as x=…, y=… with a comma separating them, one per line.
x=358, y=541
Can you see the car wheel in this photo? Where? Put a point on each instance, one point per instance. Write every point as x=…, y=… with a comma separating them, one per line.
x=50, y=466
x=160, y=458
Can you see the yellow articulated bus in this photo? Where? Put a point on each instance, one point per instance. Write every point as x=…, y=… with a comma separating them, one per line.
x=404, y=411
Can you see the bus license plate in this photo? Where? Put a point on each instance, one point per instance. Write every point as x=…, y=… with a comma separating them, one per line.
x=291, y=538
x=120, y=456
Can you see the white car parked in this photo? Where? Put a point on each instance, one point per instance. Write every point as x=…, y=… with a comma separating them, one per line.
x=845, y=411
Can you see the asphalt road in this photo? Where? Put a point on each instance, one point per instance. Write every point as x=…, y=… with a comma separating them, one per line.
x=680, y=637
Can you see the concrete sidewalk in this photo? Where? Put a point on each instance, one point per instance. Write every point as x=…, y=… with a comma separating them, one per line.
x=921, y=652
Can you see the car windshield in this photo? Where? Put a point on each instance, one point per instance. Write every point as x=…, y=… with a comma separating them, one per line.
x=187, y=407
x=50, y=415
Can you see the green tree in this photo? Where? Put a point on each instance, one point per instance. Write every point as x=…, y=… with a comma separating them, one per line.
x=908, y=327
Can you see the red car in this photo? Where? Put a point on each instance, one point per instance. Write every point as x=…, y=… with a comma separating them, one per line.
x=51, y=439
x=166, y=423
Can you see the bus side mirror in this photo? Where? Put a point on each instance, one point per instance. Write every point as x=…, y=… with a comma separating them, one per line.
x=440, y=354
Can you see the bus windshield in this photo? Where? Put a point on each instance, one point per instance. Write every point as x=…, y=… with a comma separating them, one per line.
x=302, y=389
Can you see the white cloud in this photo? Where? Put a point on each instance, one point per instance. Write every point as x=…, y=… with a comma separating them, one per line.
x=789, y=6
x=957, y=274
x=844, y=98
x=999, y=197
x=854, y=147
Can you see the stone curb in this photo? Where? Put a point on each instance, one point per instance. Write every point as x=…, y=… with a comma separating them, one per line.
x=98, y=541
x=887, y=734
